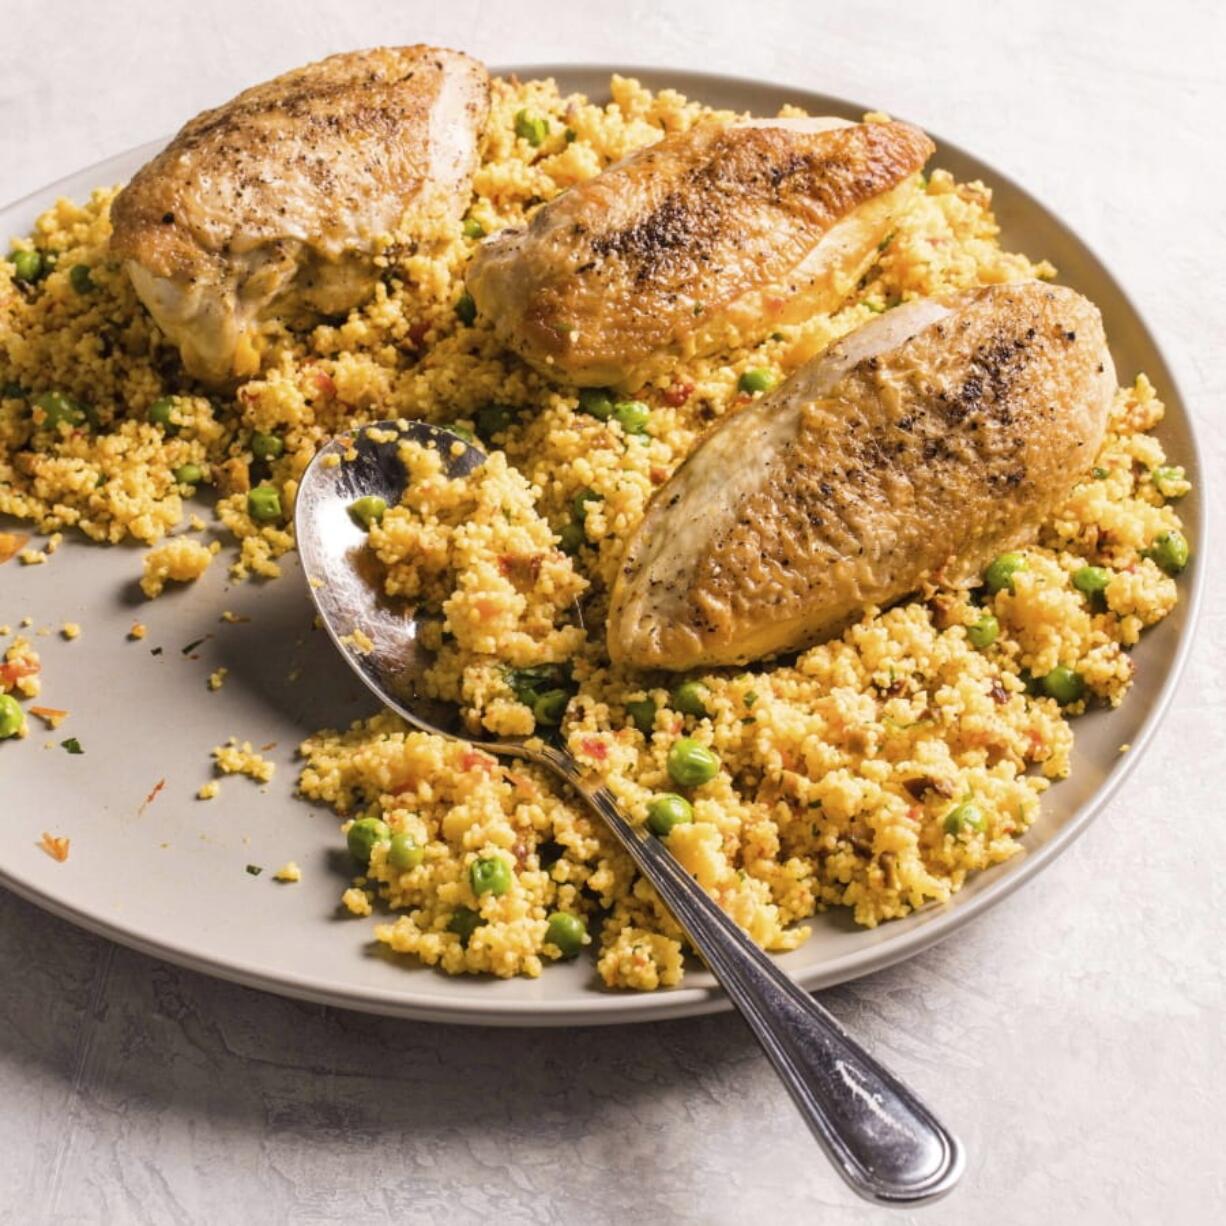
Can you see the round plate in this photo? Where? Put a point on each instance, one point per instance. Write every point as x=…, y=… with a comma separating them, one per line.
x=167, y=873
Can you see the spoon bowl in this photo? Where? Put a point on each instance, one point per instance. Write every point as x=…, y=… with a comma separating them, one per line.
x=880, y=1137
x=342, y=573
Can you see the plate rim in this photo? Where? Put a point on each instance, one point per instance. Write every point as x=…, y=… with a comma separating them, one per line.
x=683, y=1001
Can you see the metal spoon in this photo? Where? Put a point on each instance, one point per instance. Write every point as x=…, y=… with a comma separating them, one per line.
x=884, y=1142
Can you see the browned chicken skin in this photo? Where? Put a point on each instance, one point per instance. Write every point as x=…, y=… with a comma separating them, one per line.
x=704, y=241
x=922, y=444
x=273, y=203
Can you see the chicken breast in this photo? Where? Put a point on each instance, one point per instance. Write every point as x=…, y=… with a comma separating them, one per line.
x=272, y=204
x=919, y=446
x=704, y=241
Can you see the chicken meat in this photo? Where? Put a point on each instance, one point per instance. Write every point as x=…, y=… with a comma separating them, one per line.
x=704, y=241
x=917, y=447
x=274, y=204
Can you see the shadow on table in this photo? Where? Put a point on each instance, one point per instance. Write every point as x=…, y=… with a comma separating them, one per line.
x=125, y=1027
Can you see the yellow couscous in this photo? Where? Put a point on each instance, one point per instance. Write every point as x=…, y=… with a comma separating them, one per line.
x=233, y=758
x=873, y=772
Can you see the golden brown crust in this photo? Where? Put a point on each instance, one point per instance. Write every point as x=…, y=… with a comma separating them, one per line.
x=274, y=203
x=296, y=158
x=645, y=254
x=927, y=458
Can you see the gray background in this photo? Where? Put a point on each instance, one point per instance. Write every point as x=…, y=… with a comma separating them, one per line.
x=1074, y=1036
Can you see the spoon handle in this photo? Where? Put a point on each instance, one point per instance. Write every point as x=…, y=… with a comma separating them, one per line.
x=884, y=1142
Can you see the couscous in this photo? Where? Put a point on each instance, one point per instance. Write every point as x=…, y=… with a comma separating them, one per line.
x=873, y=772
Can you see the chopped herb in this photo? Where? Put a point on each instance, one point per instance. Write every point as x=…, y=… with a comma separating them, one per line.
x=571, y=136
x=1099, y=474
x=698, y=308
x=192, y=646
x=466, y=309
x=254, y=869
x=885, y=242
x=748, y=719
x=155, y=651
x=72, y=745
x=529, y=684
x=750, y=698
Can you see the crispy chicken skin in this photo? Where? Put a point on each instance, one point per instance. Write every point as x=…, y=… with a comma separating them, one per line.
x=704, y=241
x=919, y=446
x=271, y=205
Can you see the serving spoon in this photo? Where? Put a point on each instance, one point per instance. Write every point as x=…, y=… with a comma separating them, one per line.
x=881, y=1139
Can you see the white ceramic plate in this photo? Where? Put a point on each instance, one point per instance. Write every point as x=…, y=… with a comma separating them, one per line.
x=169, y=878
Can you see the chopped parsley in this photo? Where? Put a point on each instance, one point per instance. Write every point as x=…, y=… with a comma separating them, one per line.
x=192, y=645
x=254, y=869
x=72, y=745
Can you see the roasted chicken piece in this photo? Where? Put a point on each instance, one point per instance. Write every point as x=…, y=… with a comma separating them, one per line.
x=704, y=241
x=272, y=205
x=919, y=446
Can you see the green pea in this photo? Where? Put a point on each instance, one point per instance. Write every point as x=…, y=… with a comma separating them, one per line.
x=473, y=228
x=264, y=504
x=566, y=931
x=489, y=875
x=642, y=712
x=665, y=812
x=81, y=280
x=266, y=446
x=532, y=128
x=550, y=707
x=1064, y=685
x=162, y=413
x=580, y=501
x=363, y=835
x=1000, y=573
x=464, y=922
x=189, y=474
x=632, y=415
x=983, y=633
x=494, y=419
x=27, y=265
x=965, y=817
x=1165, y=476
x=691, y=764
x=59, y=407
x=1091, y=579
x=404, y=852
x=756, y=379
x=466, y=309
x=687, y=698
x=11, y=717
x=1170, y=551
x=368, y=510
x=596, y=402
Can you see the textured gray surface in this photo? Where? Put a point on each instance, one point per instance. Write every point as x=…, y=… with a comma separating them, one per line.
x=1074, y=1037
